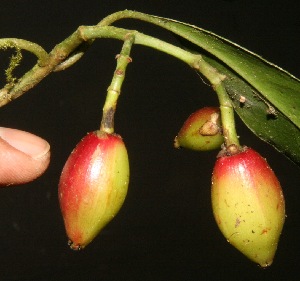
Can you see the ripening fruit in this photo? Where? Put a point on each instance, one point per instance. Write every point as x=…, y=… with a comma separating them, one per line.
x=93, y=186
x=201, y=131
x=248, y=204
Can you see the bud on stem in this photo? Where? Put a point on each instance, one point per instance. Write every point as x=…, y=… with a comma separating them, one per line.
x=201, y=131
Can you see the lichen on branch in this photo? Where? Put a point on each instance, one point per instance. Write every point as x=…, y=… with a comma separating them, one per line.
x=14, y=61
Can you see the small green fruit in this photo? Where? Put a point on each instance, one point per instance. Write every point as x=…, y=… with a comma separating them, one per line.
x=201, y=131
x=93, y=186
x=248, y=204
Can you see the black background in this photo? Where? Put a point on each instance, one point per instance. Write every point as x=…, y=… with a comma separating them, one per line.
x=165, y=230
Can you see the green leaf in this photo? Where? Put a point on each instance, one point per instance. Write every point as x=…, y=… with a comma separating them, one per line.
x=266, y=87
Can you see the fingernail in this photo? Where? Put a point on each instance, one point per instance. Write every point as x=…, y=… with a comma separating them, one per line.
x=28, y=143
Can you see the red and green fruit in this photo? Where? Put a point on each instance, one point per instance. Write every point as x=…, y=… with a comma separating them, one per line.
x=93, y=186
x=201, y=131
x=248, y=204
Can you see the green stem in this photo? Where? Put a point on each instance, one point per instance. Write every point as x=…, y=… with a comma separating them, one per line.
x=62, y=53
x=93, y=32
x=193, y=60
x=114, y=90
x=227, y=118
x=31, y=47
x=71, y=49
x=214, y=77
x=84, y=34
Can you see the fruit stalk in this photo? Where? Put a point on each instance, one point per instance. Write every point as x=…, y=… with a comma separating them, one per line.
x=232, y=144
x=114, y=90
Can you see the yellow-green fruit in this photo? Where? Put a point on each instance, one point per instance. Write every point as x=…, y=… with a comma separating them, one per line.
x=93, y=186
x=248, y=204
x=201, y=131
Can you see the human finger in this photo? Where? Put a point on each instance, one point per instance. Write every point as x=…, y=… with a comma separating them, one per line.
x=23, y=156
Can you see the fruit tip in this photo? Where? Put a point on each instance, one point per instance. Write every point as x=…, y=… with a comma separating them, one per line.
x=266, y=264
x=176, y=142
x=75, y=247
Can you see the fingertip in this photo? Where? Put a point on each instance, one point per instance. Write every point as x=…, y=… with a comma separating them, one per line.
x=30, y=144
x=23, y=156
